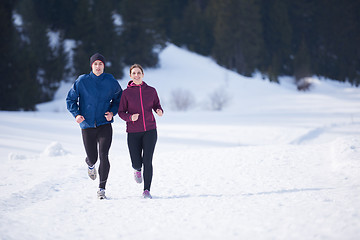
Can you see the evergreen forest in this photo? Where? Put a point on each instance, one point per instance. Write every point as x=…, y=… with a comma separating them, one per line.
x=44, y=42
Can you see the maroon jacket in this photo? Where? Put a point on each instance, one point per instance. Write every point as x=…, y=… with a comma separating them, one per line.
x=140, y=99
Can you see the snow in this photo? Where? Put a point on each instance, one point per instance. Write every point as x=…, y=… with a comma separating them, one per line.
x=117, y=19
x=17, y=19
x=54, y=39
x=69, y=46
x=275, y=163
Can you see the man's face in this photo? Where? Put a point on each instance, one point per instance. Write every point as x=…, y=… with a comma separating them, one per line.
x=98, y=67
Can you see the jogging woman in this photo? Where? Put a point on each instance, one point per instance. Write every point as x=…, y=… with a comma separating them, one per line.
x=137, y=103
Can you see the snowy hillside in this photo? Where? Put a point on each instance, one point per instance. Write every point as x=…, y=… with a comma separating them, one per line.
x=275, y=163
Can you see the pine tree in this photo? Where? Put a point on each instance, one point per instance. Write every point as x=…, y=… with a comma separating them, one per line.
x=49, y=61
x=238, y=34
x=194, y=28
x=170, y=15
x=18, y=88
x=58, y=15
x=110, y=44
x=83, y=31
x=141, y=35
x=8, y=84
x=302, y=15
x=337, y=47
x=277, y=32
x=94, y=31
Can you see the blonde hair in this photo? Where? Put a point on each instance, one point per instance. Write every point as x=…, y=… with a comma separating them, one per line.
x=137, y=66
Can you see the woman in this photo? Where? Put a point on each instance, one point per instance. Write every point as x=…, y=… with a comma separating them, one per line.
x=136, y=105
x=93, y=101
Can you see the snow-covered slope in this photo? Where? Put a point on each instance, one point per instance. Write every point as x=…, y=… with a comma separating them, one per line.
x=273, y=164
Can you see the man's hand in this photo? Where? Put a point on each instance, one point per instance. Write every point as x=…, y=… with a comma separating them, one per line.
x=109, y=116
x=79, y=119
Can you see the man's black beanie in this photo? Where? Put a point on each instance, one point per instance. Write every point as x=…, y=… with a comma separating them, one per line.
x=97, y=56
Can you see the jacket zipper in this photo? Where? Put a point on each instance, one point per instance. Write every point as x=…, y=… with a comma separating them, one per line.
x=142, y=108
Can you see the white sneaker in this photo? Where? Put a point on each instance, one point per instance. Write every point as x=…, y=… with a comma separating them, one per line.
x=137, y=176
x=101, y=193
x=92, y=172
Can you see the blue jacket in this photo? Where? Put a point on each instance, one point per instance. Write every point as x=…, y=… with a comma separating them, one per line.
x=92, y=96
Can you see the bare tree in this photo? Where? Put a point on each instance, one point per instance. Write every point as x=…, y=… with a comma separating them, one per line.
x=182, y=99
x=219, y=99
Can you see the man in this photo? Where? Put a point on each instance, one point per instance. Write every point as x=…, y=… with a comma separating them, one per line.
x=94, y=100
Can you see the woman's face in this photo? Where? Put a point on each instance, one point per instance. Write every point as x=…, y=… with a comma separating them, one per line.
x=136, y=75
x=98, y=67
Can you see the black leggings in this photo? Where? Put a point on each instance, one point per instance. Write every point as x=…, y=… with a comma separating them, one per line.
x=102, y=137
x=141, y=147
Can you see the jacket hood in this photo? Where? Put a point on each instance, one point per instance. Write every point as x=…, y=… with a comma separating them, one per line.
x=132, y=84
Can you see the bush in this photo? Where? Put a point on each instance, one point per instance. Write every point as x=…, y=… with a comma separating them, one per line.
x=219, y=99
x=304, y=84
x=182, y=100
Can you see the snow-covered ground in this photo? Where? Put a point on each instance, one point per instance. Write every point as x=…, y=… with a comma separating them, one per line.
x=273, y=164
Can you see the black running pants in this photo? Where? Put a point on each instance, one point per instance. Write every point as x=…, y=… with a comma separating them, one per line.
x=141, y=148
x=97, y=141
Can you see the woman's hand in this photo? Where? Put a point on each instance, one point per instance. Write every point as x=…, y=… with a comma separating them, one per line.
x=159, y=112
x=135, y=117
x=109, y=116
x=79, y=119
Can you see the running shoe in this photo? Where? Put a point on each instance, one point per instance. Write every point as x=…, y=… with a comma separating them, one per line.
x=137, y=176
x=92, y=172
x=101, y=193
x=146, y=194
